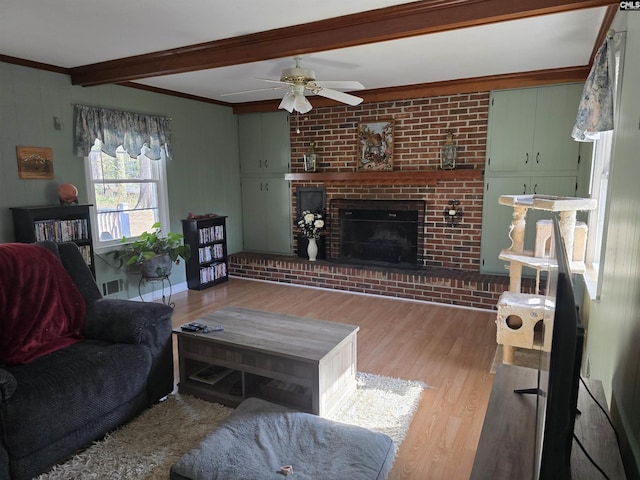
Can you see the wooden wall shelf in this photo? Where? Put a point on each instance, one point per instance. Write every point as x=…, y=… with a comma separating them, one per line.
x=421, y=177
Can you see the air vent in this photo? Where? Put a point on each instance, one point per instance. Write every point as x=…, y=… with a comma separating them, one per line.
x=111, y=287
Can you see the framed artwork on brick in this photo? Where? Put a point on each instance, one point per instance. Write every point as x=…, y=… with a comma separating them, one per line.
x=375, y=145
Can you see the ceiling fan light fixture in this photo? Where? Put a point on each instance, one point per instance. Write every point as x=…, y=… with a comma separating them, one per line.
x=287, y=102
x=301, y=104
x=294, y=99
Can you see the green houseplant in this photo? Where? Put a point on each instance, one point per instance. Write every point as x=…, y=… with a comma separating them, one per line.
x=153, y=254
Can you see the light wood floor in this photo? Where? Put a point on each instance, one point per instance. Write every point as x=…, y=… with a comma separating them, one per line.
x=449, y=348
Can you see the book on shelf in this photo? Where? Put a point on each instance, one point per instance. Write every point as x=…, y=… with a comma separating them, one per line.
x=211, y=234
x=213, y=272
x=85, y=251
x=61, y=230
x=210, y=252
x=210, y=374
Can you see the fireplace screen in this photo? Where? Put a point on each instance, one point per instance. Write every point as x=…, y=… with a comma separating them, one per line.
x=379, y=236
x=385, y=232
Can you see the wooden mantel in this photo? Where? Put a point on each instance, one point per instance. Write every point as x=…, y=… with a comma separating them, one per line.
x=420, y=177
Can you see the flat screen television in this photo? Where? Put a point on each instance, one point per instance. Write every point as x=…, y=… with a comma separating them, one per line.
x=559, y=372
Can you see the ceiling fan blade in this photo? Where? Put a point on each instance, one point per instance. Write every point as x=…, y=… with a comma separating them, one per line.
x=338, y=96
x=251, y=91
x=272, y=80
x=341, y=85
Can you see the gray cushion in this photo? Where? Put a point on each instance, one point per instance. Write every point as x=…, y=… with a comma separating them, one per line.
x=258, y=438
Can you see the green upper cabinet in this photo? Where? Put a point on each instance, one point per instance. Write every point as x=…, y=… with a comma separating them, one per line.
x=510, y=131
x=264, y=142
x=265, y=152
x=530, y=129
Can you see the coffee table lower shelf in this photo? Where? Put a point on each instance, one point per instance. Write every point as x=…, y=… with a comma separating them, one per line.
x=233, y=386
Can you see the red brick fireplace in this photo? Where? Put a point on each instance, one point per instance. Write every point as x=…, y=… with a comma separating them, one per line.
x=448, y=256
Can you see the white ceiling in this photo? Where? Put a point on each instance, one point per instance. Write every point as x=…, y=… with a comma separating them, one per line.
x=72, y=33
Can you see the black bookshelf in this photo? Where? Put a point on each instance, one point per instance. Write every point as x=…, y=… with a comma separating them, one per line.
x=58, y=223
x=208, y=263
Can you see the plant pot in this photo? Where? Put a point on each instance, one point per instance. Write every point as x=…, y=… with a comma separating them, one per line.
x=156, y=267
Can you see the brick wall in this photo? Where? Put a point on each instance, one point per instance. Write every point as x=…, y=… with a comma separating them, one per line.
x=420, y=127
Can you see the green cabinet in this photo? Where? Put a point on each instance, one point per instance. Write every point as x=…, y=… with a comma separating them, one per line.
x=265, y=152
x=266, y=214
x=530, y=130
x=264, y=143
x=529, y=151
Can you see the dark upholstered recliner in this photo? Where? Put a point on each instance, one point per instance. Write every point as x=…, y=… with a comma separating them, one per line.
x=119, y=365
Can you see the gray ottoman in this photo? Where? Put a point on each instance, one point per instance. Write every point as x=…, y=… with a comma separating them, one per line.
x=259, y=437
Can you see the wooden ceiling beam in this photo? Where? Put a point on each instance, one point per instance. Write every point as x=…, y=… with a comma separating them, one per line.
x=400, y=21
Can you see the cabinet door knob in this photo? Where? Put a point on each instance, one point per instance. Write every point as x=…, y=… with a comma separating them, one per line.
x=266, y=186
x=538, y=157
x=266, y=164
x=535, y=189
x=524, y=188
x=526, y=158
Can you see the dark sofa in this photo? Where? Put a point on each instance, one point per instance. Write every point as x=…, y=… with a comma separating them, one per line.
x=62, y=401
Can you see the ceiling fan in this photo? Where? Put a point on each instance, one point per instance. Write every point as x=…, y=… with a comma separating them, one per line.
x=298, y=79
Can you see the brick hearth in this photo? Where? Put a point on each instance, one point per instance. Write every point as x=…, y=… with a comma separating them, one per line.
x=448, y=286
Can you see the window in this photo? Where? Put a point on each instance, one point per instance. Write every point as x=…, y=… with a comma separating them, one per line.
x=602, y=154
x=129, y=194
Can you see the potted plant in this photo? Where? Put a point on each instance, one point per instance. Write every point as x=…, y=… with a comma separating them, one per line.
x=153, y=254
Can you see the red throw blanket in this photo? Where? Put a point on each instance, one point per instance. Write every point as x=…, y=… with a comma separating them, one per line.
x=41, y=310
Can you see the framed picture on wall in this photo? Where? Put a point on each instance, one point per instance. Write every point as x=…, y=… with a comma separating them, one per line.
x=34, y=162
x=375, y=149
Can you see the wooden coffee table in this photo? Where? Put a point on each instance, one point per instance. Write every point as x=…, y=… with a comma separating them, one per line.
x=306, y=364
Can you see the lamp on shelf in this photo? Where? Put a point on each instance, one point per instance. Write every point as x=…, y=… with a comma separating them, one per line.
x=310, y=158
x=453, y=213
x=449, y=153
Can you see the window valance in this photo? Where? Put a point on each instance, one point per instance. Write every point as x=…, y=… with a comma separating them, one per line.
x=114, y=128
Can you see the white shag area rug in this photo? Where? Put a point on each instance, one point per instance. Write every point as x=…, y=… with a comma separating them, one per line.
x=146, y=447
